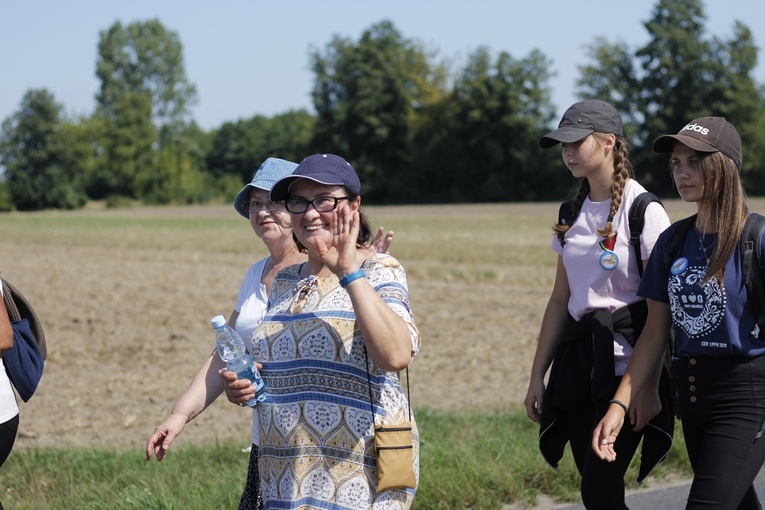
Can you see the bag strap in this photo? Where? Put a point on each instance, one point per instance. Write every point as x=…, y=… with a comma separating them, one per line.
x=369, y=384
x=636, y=217
x=19, y=308
x=566, y=215
x=750, y=248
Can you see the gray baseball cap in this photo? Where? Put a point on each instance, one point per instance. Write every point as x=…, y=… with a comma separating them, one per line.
x=582, y=119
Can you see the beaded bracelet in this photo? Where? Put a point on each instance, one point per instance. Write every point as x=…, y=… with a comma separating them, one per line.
x=620, y=404
x=345, y=280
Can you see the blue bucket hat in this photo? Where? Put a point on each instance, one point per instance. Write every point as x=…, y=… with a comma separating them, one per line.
x=322, y=168
x=269, y=172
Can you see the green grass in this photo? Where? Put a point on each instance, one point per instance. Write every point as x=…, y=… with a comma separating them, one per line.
x=468, y=460
x=97, y=478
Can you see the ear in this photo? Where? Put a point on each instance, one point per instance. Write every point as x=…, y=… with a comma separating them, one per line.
x=355, y=204
x=609, y=142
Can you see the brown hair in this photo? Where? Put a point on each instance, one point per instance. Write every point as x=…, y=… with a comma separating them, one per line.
x=623, y=170
x=723, y=205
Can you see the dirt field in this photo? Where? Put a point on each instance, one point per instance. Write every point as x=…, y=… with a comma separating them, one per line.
x=128, y=321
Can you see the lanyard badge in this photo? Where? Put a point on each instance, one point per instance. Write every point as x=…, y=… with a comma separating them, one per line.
x=608, y=259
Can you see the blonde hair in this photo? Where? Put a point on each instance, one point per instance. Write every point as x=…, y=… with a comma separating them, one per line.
x=623, y=170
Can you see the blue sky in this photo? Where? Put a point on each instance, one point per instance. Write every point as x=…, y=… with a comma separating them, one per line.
x=250, y=57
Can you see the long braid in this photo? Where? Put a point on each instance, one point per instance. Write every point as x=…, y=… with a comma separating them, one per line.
x=623, y=170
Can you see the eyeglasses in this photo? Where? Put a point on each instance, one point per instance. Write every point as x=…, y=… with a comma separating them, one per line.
x=257, y=205
x=321, y=204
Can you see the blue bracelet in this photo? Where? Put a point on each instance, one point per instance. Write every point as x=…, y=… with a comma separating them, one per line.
x=345, y=280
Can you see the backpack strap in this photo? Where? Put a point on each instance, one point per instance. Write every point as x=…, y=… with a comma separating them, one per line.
x=566, y=215
x=637, y=222
x=750, y=250
x=678, y=231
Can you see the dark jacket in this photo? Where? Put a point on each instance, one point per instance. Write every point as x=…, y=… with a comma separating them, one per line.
x=583, y=370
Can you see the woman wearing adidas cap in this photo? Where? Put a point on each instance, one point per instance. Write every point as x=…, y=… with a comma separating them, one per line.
x=694, y=283
x=594, y=315
x=337, y=331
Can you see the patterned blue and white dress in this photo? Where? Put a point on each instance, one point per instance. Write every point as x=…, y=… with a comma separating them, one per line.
x=316, y=427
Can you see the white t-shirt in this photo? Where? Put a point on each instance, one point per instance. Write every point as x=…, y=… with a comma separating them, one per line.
x=8, y=405
x=251, y=305
x=592, y=285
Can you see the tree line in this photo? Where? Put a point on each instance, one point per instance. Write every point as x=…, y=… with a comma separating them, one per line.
x=416, y=130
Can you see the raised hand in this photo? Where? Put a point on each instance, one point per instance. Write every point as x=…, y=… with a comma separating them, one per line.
x=382, y=241
x=340, y=255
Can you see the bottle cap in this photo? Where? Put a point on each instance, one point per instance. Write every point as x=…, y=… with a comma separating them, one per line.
x=218, y=321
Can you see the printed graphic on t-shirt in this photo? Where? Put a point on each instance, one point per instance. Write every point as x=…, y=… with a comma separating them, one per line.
x=697, y=309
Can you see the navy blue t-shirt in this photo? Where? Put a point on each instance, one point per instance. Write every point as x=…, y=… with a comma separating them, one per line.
x=709, y=319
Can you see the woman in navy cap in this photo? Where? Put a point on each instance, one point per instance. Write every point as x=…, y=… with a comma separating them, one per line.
x=271, y=223
x=337, y=332
x=695, y=283
x=594, y=315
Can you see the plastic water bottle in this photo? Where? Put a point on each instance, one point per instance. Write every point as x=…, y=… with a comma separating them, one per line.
x=231, y=350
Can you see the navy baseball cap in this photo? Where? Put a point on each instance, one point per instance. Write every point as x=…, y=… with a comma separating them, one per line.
x=326, y=169
x=269, y=172
x=705, y=134
x=583, y=119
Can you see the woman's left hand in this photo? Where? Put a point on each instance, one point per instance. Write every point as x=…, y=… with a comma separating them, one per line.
x=382, y=241
x=238, y=391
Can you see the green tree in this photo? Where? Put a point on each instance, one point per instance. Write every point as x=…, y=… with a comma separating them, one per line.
x=128, y=148
x=44, y=157
x=144, y=94
x=677, y=76
x=238, y=148
x=179, y=175
x=144, y=58
x=368, y=96
x=499, y=108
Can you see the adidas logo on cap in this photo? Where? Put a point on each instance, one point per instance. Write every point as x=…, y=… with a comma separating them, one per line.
x=697, y=128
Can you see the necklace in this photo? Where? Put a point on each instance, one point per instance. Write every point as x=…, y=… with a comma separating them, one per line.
x=703, y=249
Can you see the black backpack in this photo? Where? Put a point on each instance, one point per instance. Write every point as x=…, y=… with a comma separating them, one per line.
x=750, y=248
x=636, y=217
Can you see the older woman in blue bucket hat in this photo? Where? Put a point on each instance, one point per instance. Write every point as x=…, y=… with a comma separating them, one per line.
x=337, y=331
x=271, y=223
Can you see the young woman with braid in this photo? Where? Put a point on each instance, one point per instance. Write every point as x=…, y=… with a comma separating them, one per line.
x=594, y=314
